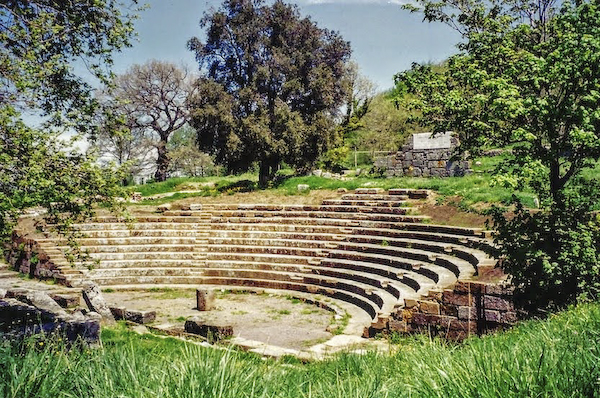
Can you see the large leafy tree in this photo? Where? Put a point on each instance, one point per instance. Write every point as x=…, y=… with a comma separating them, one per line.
x=273, y=85
x=151, y=101
x=40, y=40
x=527, y=75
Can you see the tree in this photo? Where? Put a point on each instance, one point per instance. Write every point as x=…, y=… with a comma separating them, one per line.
x=152, y=98
x=40, y=39
x=186, y=158
x=527, y=76
x=272, y=86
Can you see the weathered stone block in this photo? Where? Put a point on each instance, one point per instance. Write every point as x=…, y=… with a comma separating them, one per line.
x=141, y=317
x=429, y=307
x=497, y=303
x=467, y=313
x=509, y=317
x=457, y=298
x=499, y=290
x=95, y=302
x=205, y=299
x=450, y=310
x=410, y=303
x=66, y=300
x=213, y=332
x=492, y=316
x=472, y=287
x=397, y=326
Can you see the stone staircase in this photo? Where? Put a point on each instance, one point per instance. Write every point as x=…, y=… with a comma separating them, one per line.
x=366, y=248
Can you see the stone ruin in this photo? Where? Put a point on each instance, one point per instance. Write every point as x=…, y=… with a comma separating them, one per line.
x=387, y=267
x=426, y=155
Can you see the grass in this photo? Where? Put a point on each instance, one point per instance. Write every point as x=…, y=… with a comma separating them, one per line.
x=557, y=357
x=474, y=189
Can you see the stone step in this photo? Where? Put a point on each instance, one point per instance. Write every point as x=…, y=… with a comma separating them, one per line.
x=367, y=305
x=153, y=271
x=103, y=226
x=400, y=274
x=146, y=256
x=411, y=193
x=437, y=270
x=141, y=240
x=457, y=266
x=239, y=237
x=354, y=217
x=149, y=280
x=146, y=248
x=136, y=263
x=374, y=197
x=150, y=233
x=260, y=257
x=397, y=290
x=369, y=203
x=186, y=213
x=350, y=250
x=369, y=191
x=153, y=218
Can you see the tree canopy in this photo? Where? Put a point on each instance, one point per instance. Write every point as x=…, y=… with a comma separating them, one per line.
x=527, y=77
x=40, y=41
x=151, y=101
x=272, y=86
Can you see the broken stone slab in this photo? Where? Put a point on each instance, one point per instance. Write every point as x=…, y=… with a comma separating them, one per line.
x=303, y=187
x=66, y=300
x=19, y=320
x=141, y=317
x=205, y=299
x=95, y=302
x=43, y=301
x=213, y=332
x=2, y=293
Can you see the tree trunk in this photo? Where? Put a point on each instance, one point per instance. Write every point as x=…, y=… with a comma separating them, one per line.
x=267, y=170
x=162, y=163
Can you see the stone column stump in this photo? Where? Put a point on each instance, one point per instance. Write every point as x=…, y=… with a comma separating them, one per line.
x=205, y=299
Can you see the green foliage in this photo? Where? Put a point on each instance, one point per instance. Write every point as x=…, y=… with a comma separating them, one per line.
x=273, y=82
x=185, y=156
x=38, y=169
x=527, y=83
x=556, y=357
x=41, y=38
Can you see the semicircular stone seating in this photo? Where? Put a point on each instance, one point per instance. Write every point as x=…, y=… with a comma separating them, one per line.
x=365, y=249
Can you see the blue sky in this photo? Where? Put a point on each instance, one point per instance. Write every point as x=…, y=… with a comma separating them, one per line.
x=385, y=39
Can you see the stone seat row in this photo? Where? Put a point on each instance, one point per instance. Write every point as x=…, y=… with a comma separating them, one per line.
x=365, y=248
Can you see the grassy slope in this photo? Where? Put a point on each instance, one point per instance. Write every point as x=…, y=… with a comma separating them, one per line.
x=558, y=357
x=473, y=190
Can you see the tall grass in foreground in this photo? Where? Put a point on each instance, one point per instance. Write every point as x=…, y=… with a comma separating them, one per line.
x=557, y=357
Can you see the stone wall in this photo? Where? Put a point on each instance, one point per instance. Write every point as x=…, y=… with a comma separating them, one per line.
x=425, y=157
x=24, y=254
x=469, y=308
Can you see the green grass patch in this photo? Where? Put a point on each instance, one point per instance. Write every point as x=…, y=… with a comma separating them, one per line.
x=557, y=357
